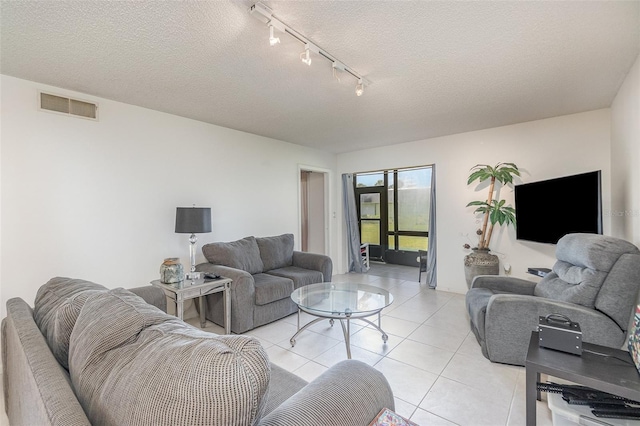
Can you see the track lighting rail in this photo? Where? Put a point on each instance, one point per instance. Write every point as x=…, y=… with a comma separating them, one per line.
x=265, y=14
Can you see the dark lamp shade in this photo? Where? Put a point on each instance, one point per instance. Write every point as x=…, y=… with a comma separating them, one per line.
x=193, y=220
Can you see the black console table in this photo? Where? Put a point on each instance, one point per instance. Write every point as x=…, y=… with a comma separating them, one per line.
x=605, y=373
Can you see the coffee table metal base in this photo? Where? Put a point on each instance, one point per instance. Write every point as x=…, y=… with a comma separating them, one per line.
x=346, y=329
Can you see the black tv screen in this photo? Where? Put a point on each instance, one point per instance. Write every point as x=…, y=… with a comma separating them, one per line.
x=549, y=209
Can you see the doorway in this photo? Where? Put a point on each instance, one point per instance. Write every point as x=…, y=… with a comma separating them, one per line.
x=313, y=211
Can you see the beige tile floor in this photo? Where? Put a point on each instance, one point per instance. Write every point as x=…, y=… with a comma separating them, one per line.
x=432, y=361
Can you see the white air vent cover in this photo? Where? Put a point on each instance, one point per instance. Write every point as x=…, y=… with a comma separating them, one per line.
x=68, y=106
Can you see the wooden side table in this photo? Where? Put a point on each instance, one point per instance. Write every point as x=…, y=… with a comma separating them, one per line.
x=185, y=290
x=605, y=372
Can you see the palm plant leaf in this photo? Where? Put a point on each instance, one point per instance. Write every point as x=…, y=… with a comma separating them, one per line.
x=501, y=214
x=481, y=175
x=502, y=172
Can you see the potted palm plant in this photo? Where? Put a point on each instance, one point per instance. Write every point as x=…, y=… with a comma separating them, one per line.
x=494, y=211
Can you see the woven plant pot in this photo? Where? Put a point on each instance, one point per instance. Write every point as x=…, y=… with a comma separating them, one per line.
x=480, y=262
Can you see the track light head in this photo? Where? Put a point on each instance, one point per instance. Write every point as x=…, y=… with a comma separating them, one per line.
x=273, y=40
x=337, y=66
x=359, y=87
x=304, y=56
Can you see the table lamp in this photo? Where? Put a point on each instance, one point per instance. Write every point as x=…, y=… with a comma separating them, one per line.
x=193, y=220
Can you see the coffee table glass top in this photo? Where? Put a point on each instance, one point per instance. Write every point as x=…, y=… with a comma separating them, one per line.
x=342, y=298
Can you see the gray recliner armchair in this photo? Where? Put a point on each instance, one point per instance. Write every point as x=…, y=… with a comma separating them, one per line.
x=594, y=282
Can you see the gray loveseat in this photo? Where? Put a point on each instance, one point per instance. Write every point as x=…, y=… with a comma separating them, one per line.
x=87, y=355
x=595, y=282
x=265, y=271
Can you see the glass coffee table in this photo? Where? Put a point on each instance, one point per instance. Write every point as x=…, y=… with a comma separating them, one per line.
x=343, y=302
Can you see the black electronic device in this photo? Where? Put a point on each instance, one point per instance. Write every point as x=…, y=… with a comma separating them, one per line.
x=210, y=275
x=549, y=209
x=540, y=272
x=602, y=404
x=558, y=332
x=583, y=395
x=627, y=413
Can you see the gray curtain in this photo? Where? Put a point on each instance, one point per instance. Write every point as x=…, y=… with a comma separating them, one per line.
x=431, y=252
x=351, y=220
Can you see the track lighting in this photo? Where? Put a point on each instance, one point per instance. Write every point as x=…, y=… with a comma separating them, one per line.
x=265, y=15
x=337, y=66
x=359, y=87
x=273, y=40
x=304, y=56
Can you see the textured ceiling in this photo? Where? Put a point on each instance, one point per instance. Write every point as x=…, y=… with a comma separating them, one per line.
x=436, y=68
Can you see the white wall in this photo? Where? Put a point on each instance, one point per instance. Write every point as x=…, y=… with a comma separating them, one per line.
x=542, y=149
x=625, y=158
x=96, y=200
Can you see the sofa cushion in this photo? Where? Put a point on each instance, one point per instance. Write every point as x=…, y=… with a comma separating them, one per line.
x=270, y=288
x=276, y=252
x=65, y=320
x=299, y=276
x=243, y=254
x=572, y=284
x=592, y=251
x=282, y=385
x=51, y=296
x=619, y=292
x=158, y=370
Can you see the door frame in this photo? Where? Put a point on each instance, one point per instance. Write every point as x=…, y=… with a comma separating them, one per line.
x=328, y=206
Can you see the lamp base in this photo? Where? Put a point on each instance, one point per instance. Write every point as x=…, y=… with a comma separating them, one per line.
x=193, y=275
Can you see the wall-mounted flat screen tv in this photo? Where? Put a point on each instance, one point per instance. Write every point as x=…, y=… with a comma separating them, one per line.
x=549, y=209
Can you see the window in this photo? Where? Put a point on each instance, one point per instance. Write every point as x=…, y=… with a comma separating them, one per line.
x=410, y=199
x=369, y=179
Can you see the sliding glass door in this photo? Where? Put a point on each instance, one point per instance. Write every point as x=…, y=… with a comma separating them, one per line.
x=393, y=208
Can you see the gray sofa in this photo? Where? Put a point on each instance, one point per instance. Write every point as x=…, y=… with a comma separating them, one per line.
x=265, y=271
x=595, y=282
x=87, y=355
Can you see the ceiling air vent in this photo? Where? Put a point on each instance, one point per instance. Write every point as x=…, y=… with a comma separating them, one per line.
x=68, y=106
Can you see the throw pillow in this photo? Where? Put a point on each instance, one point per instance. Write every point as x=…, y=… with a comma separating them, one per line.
x=51, y=296
x=158, y=370
x=276, y=252
x=65, y=319
x=242, y=254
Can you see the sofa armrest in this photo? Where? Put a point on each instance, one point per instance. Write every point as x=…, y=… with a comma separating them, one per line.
x=315, y=262
x=224, y=271
x=511, y=318
x=349, y=393
x=242, y=296
x=504, y=284
x=37, y=390
x=152, y=295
